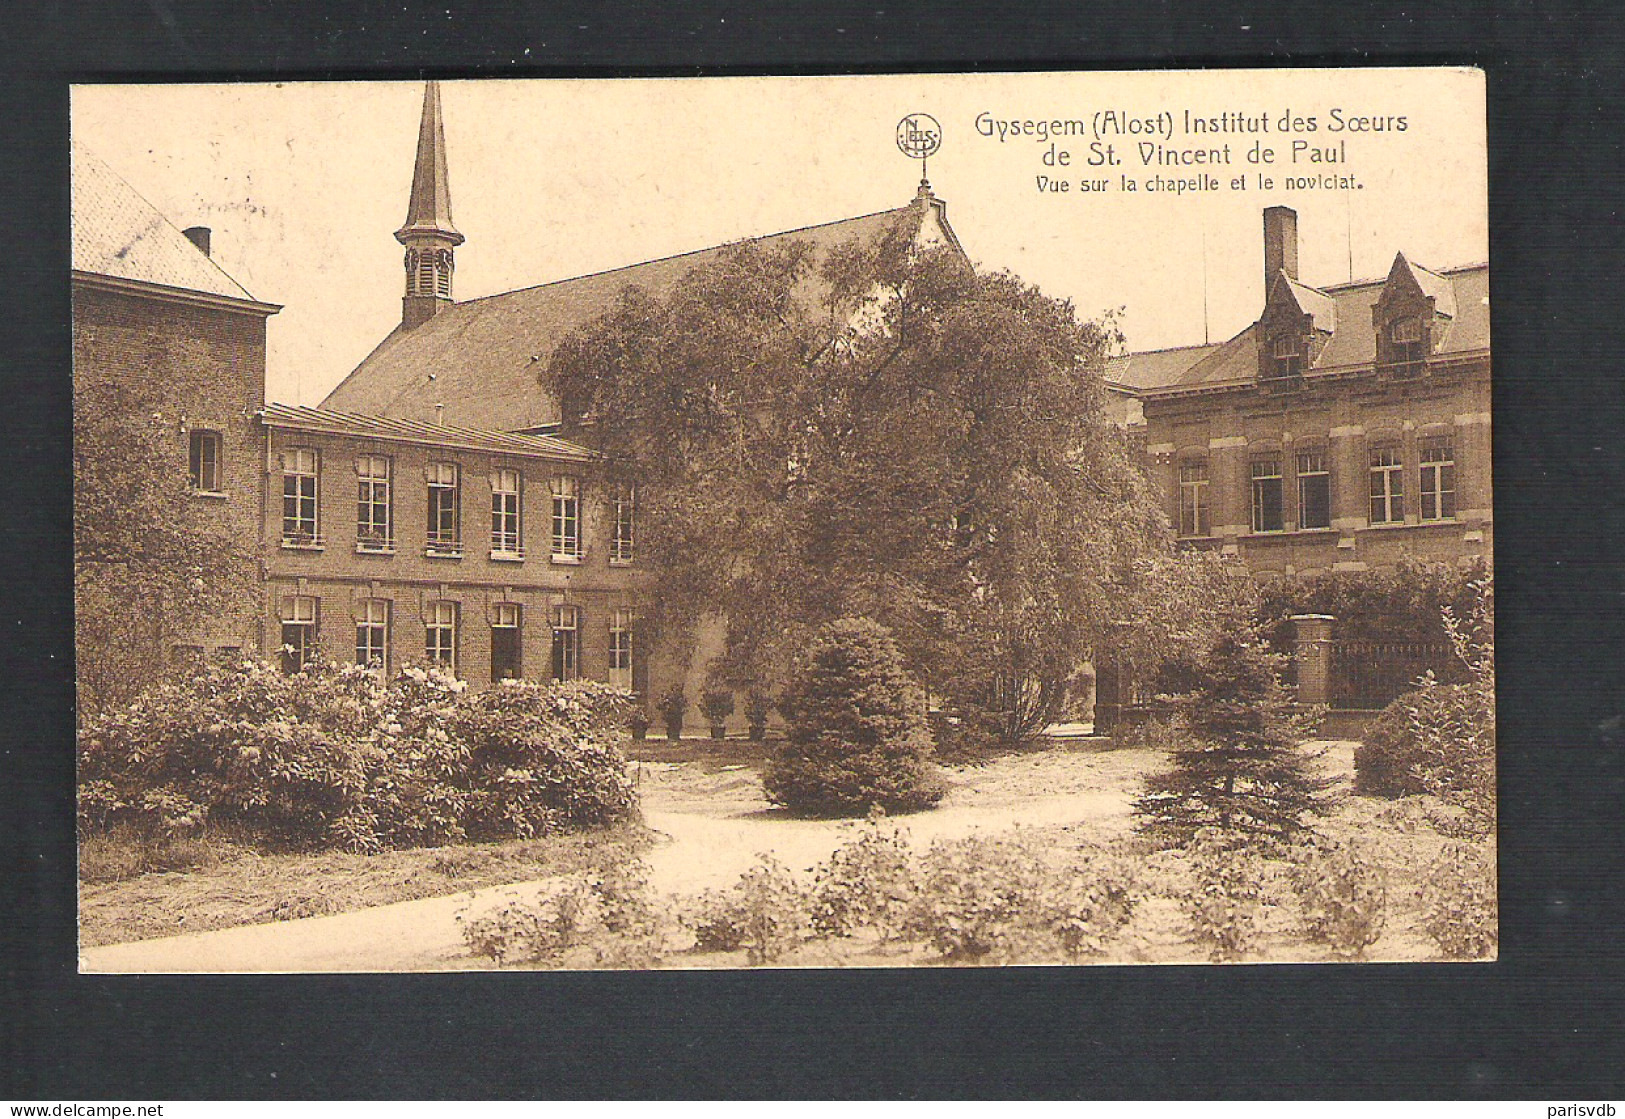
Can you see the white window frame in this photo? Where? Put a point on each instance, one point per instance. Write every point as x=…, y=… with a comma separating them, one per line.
x=440, y=634
x=506, y=487
x=372, y=633
x=444, y=478
x=206, y=481
x=1266, y=468
x=565, y=658
x=301, y=485
x=1387, y=472
x=505, y=616
x=303, y=613
x=620, y=649
x=623, y=526
x=566, y=519
x=1194, y=499
x=1438, y=478
x=1312, y=464
x=374, y=492
x=1286, y=356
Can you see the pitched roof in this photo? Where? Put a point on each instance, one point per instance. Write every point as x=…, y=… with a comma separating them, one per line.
x=1353, y=342
x=118, y=233
x=329, y=422
x=486, y=356
x=1148, y=369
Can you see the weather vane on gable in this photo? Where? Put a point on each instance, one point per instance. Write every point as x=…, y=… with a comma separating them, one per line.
x=918, y=137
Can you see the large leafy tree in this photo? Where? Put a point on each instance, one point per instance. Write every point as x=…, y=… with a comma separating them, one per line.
x=880, y=432
x=147, y=564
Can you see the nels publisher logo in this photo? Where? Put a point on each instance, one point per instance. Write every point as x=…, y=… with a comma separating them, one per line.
x=919, y=135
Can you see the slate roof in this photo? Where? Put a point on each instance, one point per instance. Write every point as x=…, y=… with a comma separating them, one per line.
x=487, y=355
x=118, y=233
x=1353, y=342
x=329, y=422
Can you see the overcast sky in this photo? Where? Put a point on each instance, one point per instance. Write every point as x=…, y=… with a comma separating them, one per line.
x=304, y=184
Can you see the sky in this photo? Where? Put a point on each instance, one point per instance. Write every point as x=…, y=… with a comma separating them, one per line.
x=303, y=184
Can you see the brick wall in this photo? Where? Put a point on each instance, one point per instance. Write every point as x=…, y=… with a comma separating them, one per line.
x=340, y=576
x=193, y=366
x=1345, y=419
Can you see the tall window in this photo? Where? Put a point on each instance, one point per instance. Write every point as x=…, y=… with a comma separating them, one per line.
x=299, y=497
x=372, y=633
x=566, y=642
x=1387, y=486
x=1438, y=482
x=505, y=513
x=1193, y=507
x=440, y=635
x=620, y=649
x=1266, y=474
x=620, y=541
x=444, y=537
x=1314, y=490
x=205, y=461
x=505, y=643
x=299, y=617
x=372, y=521
x=566, y=519
x=1286, y=356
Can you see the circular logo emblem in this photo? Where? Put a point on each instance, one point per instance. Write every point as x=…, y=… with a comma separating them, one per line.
x=919, y=135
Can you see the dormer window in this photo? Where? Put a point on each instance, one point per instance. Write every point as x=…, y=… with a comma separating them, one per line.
x=1286, y=356
x=1406, y=349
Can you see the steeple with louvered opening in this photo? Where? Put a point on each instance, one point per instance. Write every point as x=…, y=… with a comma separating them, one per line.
x=428, y=234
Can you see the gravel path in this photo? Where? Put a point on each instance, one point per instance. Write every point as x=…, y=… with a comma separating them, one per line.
x=711, y=821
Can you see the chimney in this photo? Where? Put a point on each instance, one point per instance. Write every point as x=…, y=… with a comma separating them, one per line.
x=199, y=236
x=1280, y=244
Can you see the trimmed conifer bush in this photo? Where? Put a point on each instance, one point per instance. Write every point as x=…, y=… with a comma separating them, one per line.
x=1244, y=771
x=856, y=733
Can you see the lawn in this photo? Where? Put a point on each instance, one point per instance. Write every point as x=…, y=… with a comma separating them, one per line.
x=219, y=884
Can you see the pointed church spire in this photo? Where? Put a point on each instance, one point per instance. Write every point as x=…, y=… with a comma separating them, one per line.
x=428, y=234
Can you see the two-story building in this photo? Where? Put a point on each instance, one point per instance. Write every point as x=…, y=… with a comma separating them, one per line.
x=1347, y=427
x=489, y=553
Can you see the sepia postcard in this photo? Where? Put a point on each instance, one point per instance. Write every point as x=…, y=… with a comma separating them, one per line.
x=880, y=521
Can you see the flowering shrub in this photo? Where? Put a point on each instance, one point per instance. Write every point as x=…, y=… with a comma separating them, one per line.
x=1343, y=896
x=336, y=756
x=1459, y=911
x=995, y=898
x=761, y=913
x=603, y=919
x=1225, y=906
x=1083, y=910
x=868, y=882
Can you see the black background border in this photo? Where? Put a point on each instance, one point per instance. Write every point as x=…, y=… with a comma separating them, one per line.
x=1546, y=1021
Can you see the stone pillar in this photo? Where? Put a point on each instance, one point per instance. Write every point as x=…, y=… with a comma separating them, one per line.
x=1313, y=652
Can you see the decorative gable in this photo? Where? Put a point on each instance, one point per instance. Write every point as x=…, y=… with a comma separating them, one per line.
x=1297, y=323
x=1410, y=318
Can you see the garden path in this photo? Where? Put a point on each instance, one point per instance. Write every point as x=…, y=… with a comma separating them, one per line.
x=711, y=822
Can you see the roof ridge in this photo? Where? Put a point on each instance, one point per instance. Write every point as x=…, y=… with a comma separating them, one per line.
x=681, y=255
x=1349, y=285
x=1167, y=349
